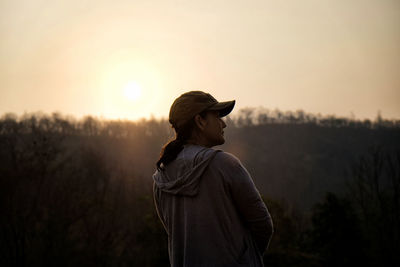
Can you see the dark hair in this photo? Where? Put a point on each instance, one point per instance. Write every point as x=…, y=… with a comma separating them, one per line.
x=170, y=150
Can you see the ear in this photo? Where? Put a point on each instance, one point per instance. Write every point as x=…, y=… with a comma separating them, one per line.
x=200, y=122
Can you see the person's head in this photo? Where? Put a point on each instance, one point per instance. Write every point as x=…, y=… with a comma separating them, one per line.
x=208, y=129
x=196, y=119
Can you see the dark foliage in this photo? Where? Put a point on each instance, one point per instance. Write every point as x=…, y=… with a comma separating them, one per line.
x=336, y=235
x=375, y=194
x=78, y=193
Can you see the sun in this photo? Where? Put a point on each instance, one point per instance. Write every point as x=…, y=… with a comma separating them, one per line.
x=132, y=91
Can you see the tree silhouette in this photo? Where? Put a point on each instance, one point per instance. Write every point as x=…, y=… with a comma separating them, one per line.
x=335, y=234
x=375, y=192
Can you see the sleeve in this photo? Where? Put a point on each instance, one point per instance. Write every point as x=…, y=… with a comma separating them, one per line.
x=249, y=202
x=156, y=200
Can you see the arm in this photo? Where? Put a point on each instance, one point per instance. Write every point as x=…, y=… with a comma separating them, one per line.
x=249, y=203
x=156, y=200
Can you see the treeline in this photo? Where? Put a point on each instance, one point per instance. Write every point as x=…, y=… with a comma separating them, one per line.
x=79, y=192
x=261, y=116
x=91, y=126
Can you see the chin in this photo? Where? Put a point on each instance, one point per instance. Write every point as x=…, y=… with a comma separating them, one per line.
x=220, y=142
x=217, y=141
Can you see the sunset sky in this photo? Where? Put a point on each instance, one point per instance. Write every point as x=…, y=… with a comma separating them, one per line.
x=131, y=59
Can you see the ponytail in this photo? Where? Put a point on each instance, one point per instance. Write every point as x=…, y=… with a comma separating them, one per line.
x=170, y=150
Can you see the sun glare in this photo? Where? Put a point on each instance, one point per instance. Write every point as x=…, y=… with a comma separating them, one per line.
x=132, y=91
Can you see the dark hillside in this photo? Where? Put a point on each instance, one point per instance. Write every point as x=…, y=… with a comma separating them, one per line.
x=79, y=193
x=300, y=162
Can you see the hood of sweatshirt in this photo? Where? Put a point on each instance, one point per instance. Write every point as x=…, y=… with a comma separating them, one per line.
x=183, y=175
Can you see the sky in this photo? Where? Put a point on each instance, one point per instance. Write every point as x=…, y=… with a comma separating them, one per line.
x=131, y=59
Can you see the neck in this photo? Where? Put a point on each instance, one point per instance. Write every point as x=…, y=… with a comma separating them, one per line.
x=198, y=140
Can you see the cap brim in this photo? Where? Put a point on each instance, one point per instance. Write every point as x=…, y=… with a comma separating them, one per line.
x=224, y=108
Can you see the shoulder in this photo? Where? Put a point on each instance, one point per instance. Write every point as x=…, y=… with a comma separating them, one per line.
x=196, y=154
x=227, y=160
x=226, y=156
x=229, y=167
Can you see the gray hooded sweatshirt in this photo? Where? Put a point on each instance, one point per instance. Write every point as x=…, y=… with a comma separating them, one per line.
x=211, y=210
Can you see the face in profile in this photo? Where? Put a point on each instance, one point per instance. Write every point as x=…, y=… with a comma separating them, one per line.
x=213, y=130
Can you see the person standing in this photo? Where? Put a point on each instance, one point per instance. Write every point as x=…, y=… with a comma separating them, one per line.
x=205, y=198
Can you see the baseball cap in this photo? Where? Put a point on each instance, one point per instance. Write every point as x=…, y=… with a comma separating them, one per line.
x=192, y=103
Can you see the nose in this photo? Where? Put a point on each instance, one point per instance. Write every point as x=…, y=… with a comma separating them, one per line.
x=223, y=123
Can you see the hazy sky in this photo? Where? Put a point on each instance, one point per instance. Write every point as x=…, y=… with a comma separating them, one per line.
x=131, y=59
